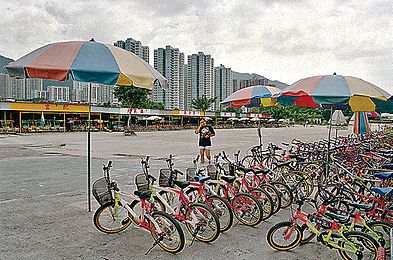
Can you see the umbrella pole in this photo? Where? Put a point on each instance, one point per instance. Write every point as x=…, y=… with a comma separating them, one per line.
x=328, y=147
x=88, y=153
x=259, y=133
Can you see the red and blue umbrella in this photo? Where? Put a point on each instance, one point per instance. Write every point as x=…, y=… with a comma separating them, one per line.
x=87, y=61
x=252, y=96
x=334, y=89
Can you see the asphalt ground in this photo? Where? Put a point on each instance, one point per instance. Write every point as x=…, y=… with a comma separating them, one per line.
x=43, y=197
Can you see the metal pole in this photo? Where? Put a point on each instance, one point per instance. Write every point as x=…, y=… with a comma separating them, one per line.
x=328, y=148
x=88, y=153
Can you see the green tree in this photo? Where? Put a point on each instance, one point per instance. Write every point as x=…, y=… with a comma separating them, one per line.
x=203, y=103
x=132, y=97
x=153, y=105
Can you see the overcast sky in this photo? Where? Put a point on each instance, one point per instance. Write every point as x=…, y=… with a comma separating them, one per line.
x=281, y=39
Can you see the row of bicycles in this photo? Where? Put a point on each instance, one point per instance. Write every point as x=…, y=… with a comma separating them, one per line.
x=344, y=182
x=347, y=185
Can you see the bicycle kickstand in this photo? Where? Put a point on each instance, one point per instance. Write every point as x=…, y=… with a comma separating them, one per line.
x=154, y=244
x=194, y=236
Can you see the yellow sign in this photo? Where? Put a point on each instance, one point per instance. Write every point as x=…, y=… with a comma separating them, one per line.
x=49, y=107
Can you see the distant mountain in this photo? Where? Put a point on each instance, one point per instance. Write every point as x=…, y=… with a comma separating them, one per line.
x=247, y=76
x=4, y=61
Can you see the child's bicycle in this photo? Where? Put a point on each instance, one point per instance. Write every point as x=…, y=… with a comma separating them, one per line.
x=287, y=235
x=115, y=215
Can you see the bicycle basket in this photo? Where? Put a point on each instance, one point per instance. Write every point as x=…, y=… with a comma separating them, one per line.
x=190, y=174
x=229, y=169
x=164, y=178
x=141, y=183
x=212, y=172
x=101, y=192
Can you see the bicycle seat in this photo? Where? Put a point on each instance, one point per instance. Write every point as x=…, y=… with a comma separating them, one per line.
x=181, y=184
x=228, y=179
x=202, y=179
x=279, y=164
x=383, y=175
x=260, y=170
x=245, y=169
x=340, y=218
x=143, y=195
x=385, y=191
x=366, y=207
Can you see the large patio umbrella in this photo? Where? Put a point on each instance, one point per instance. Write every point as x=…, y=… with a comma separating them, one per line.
x=336, y=90
x=252, y=96
x=87, y=61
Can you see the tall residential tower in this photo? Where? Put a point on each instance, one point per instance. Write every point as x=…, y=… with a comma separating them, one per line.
x=200, y=78
x=169, y=62
x=135, y=47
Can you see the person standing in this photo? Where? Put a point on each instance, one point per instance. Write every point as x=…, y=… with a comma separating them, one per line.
x=205, y=133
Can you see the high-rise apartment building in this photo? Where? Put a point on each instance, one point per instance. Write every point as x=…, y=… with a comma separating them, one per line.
x=59, y=93
x=223, y=84
x=170, y=63
x=135, y=47
x=32, y=86
x=200, y=77
x=99, y=93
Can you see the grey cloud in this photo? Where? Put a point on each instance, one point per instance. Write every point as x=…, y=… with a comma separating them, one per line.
x=262, y=36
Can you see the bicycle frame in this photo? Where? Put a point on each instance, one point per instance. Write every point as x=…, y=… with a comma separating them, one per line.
x=303, y=217
x=140, y=221
x=182, y=199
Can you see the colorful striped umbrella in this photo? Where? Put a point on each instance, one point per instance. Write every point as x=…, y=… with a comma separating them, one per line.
x=334, y=89
x=87, y=62
x=92, y=62
x=252, y=96
x=361, y=124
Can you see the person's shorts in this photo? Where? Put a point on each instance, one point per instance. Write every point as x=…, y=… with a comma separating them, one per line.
x=208, y=147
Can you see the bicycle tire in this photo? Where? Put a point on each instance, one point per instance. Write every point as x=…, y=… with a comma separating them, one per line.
x=274, y=194
x=287, y=225
x=254, y=208
x=266, y=201
x=361, y=239
x=384, y=229
x=172, y=224
x=285, y=193
x=212, y=222
x=221, y=211
x=224, y=225
x=105, y=212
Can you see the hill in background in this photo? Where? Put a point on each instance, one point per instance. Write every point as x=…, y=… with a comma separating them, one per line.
x=247, y=76
x=4, y=61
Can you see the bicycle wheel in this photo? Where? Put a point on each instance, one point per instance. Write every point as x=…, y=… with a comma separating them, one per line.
x=202, y=222
x=284, y=236
x=111, y=219
x=383, y=229
x=172, y=237
x=247, y=209
x=274, y=194
x=359, y=240
x=249, y=161
x=285, y=193
x=266, y=201
x=223, y=211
